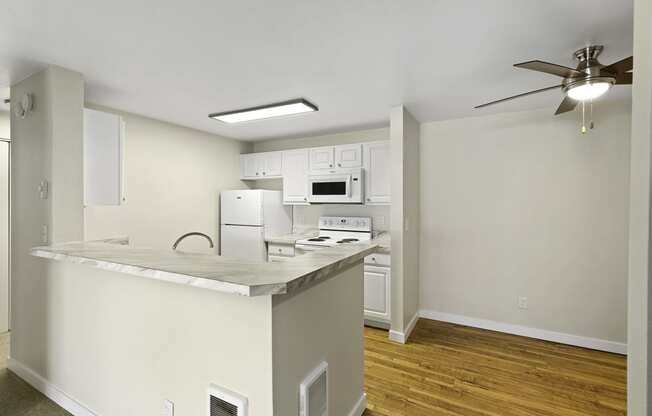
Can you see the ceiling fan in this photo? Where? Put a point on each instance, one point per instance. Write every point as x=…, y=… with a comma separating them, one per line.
x=585, y=83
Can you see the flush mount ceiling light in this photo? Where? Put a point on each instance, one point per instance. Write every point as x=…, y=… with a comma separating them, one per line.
x=285, y=108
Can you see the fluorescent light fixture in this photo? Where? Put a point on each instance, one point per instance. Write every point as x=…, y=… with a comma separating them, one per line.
x=588, y=91
x=285, y=108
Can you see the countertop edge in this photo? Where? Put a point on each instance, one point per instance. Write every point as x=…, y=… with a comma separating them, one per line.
x=182, y=279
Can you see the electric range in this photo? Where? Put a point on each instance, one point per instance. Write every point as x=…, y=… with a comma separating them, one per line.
x=334, y=231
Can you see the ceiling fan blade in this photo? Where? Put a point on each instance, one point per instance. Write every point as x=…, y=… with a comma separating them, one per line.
x=624, y=79
x=567, y=105
x=620, y=67
x=548, y=68
x=518, y=96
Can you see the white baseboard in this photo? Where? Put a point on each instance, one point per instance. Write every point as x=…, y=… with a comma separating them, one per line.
x=48, y=389
x=560, y=337
x=402, y=337
x=360, y=406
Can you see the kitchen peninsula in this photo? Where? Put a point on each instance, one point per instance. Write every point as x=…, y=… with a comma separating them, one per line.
x=179, y=323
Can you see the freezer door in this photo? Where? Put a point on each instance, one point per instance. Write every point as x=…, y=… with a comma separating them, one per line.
x=243, y=242
x=241, y=207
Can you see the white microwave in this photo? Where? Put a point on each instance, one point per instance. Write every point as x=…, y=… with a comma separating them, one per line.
x=341, y=186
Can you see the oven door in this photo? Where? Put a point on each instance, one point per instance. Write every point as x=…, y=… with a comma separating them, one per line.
x=333, y=188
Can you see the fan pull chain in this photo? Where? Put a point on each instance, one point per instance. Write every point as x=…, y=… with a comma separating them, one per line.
x=591, y=124
x=583, y=117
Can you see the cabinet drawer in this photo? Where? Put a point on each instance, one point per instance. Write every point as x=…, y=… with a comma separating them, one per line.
x=378, y=259
x=280, y=250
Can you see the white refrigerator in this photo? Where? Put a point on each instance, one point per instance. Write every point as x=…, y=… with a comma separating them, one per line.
x=247, y=218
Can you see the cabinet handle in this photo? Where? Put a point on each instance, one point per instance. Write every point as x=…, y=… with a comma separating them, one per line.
x=280, y=250
x=330, y=165
x=368, y=199
x=256, y=173
x=305, y=199
x=263, y=173
x=339, y=164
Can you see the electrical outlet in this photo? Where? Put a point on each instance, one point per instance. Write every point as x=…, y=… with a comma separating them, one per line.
x=522, y=302
x=379, y=221
x=168, y=408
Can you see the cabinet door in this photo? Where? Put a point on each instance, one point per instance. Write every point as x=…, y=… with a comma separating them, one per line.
x=321, y=158
x=295, y=177
x=348, y=156
x=103, y=142
x=273, y=163
x=250, y=166
x=376, y=292
x=377, y=173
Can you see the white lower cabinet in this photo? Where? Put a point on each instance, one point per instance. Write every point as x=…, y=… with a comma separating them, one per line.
x=377, y=289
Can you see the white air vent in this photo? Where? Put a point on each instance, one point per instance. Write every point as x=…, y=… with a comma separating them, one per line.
x=224, y=402
x=313, y=392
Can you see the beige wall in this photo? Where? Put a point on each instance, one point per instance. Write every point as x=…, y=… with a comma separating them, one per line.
x=523, y=204
x=405, y=223
x=55, y=123
x=4, y=125
x=122, y=344
x=4, y=237
x=308, y=216
x=639, y=384
x=356, y=136
x=303, y=339
x=173, y=179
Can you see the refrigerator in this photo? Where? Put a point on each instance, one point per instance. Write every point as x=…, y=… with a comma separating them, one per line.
x=247, y=218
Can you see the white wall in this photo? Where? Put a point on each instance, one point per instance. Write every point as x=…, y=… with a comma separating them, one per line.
x=173, y=179
x=639, y=372
x=523, y=204
x=4, y=125
x=308, y=216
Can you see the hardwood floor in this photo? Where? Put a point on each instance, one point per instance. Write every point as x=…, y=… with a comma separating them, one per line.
x=449, y=369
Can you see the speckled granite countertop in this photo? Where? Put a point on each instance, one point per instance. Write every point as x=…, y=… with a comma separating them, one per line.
x=224, y=274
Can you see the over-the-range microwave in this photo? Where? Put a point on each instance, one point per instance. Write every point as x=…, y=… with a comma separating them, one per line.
x=340, y=186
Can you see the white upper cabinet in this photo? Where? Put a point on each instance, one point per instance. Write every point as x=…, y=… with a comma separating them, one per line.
x=322, y=158
x=377, y=173
x=273, y=164
x=103, y=158
x=348, y=156
x=294, y=166
x=261, y=165
x=295, y=176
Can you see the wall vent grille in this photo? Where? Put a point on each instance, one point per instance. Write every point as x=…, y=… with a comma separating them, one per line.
x=313, y=392
x=224, y=402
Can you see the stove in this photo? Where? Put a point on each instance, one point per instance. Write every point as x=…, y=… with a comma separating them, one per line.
x=334, y=231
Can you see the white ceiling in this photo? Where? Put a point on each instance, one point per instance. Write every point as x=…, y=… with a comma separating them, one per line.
x=180, y=60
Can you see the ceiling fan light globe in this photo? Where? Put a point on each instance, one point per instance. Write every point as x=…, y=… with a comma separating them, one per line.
x=588, y=91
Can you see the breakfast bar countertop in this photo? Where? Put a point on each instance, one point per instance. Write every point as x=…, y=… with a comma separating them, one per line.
x=210, y=271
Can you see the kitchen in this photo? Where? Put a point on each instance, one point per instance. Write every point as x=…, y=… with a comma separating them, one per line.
x=383, y=248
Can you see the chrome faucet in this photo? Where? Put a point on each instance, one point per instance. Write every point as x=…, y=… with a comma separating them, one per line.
x=176, y=243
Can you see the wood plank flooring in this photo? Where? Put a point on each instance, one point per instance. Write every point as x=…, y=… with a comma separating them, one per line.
x=449, y=370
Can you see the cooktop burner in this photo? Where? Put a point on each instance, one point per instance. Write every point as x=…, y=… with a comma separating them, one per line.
x=348, y=240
